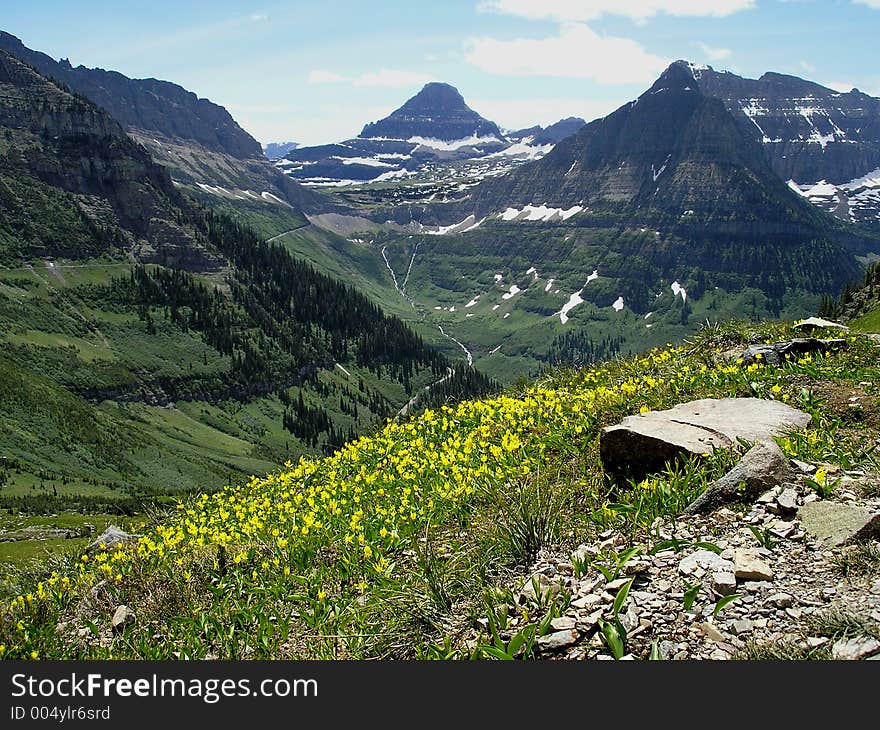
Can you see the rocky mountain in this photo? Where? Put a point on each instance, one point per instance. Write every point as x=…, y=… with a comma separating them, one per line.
x=198, y=141
x=663, y=214
x=674, y=151
x=437, y=112
x=551, y=134
x=148, y=105
x=824, y=142
x=277, y=150
x=433, y=137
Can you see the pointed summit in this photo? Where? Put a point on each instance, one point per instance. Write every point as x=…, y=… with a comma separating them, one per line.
x=437, y=112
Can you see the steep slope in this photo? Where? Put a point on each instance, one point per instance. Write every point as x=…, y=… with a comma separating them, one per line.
x=825, y=142
x=68, y=167
x=148, y=105
x=673, y=151
x=199, y=141
x=149, y=343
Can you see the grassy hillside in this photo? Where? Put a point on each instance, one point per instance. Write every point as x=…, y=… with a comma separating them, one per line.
x=399, y=541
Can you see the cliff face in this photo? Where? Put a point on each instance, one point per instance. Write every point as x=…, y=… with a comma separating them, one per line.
x=61, y=146
x=809, y=132
x=153, y=106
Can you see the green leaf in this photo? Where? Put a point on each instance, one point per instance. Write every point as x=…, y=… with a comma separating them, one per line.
x=655, y=652
x=723, y=601
x=711, y=546
x=690, y=595
x=620, y=598
x=516, y=643
x=612, y=638
x=496, y=653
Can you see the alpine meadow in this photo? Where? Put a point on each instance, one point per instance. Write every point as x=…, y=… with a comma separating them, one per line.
x=576, y=358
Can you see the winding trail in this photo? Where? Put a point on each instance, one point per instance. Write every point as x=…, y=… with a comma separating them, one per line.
x=292, y=230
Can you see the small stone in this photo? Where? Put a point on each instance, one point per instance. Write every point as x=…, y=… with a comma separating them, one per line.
x=711, y=632
x=804, y=467
x=723, y=583
x=875, y=588
x=587, y=623
x=719, y=655
x=703, y=560
x=587, y=602
x=637, y=567
x=814, y=642
x=780, y=600
x=537, y=585
x=563, y=623
x=748, y=565
x=616, y=585
x=111, y=538
x=788, y=500
x=859, y=647
x=769, y=496
x=557, y=640
x=742, y=626
x=122, y=618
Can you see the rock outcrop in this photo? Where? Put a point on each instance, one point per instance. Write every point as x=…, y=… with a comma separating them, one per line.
x=644, y=443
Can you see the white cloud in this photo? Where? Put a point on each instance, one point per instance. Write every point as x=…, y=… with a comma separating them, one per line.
x=577, y=52
x=320, y=76
x=385, y=78
x=715, y=54
x=581, y=10
x=807, y=66
x=869, y=3
x=522, y=113
x=259, y=17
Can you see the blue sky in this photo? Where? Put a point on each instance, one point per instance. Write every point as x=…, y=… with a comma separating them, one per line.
x=318, y=71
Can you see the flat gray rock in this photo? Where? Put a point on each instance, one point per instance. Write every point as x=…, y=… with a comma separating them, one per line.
x=811, y=324
x=836, y=524
x=644, y=443
x=853, y=649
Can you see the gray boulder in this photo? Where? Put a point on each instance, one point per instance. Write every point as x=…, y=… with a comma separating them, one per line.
x=110, y=538
x=644, y=443
x=836, y=524
x=777, y=352
x=763, y=467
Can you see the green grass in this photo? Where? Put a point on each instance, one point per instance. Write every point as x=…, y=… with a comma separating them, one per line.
x=399, y=544
x=869, y=322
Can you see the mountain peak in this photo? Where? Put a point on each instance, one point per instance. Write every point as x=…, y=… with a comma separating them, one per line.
x=438, y=111
x=679, y=76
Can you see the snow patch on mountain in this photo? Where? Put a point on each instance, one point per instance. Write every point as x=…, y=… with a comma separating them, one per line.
x=455, y=144
x=539, y=213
